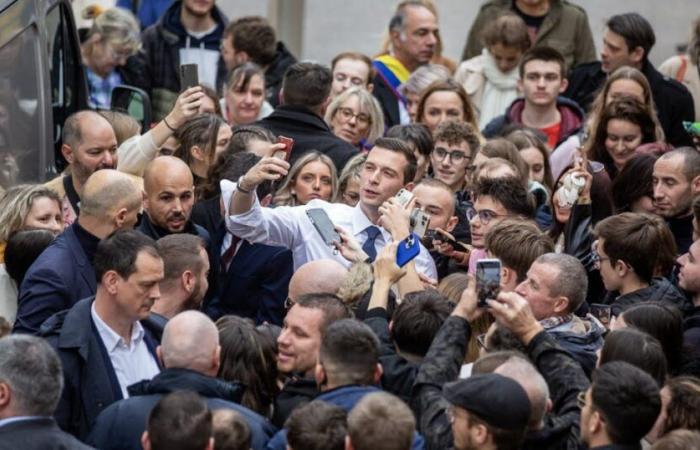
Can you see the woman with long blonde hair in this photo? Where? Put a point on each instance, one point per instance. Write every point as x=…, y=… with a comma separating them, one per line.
x=311, y=177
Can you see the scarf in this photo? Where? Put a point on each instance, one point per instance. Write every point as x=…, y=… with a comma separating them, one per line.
x=500, y=90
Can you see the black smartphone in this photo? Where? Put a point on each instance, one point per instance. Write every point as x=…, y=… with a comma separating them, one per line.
x=323, y=225
x=602, y=312
x=488, y=280
x=189, y=76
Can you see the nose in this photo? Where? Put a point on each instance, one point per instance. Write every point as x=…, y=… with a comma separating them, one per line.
x=155, y=292
x=374, y=177
x=108, y=159
x=56, y=226
x=432, y=39
x=283, y=339
x=520, y=289
x=317, y=184
x=658, y=192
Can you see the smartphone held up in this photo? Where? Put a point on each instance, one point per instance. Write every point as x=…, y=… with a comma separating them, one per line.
x=488, y=280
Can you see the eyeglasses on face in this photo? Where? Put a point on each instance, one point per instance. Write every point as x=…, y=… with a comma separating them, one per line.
x=485, y=215
x=456, y=156
x=347, y=114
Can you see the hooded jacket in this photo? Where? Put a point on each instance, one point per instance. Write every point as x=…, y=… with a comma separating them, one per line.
x=121, y=425
x=160, y=58
x=582, y=346
x=660, y=290
x=572, y=118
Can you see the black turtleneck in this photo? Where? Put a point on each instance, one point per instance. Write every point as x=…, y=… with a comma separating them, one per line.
x=88, y=241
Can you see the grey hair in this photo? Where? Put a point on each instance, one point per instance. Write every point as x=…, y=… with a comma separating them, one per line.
x=397, y=20
x=33, y=372
x=526, y=374
x=120, y=26
x=571, y=280
x=423, y=77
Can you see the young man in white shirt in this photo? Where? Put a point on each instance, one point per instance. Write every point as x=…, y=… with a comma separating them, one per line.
x=390, y=166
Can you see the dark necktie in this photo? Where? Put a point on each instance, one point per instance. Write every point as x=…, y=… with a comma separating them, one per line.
x=368, y=246
x=227, y=256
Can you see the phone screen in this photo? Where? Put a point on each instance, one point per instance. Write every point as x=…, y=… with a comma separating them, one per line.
x=323, y=225
x=488, y=280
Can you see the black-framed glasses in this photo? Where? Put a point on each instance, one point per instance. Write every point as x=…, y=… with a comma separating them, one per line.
x=346, y=114
x=595, y=256
x=456, y=156
x=485, y=215
x=481, y=341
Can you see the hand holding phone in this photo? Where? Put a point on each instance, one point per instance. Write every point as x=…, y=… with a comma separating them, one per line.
x=288, y=144
x=488, y=280
x=408, y=249
x=324, y=226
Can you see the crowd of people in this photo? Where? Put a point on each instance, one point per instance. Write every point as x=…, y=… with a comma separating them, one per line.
x=177, y=289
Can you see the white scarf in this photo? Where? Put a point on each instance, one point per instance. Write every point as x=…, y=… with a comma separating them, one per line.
x=499, y=91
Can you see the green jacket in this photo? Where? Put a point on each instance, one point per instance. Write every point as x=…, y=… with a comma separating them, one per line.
x=565, y=28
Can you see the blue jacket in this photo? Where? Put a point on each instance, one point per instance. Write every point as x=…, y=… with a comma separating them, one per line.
x=90, y=383
x=255, y=284
x=120, y=426
x=346, y=397
x=59, y=277
x=148, y=12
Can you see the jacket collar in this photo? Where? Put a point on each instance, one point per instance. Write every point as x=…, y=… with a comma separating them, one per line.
x=173, y=379
x=299, y=113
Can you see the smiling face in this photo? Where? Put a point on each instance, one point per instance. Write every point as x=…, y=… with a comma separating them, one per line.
x=438, y=204
x=300, y=340
x=313, y=182
x=169, y=198
x=441, y=106
x=450, y=163
x=536, y=290
x=622, y=138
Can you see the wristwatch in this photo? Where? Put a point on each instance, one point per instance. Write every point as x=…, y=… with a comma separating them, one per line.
x=240, y=187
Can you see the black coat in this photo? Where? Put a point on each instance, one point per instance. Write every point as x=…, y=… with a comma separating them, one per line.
x=659, y=291
x=121, y=425
x=91, y=384
x=37, y=434
x=388, y=100
x=674, y=104
x=297, y=391
x=309, y=132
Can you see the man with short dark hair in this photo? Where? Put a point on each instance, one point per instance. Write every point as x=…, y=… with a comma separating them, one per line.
x=619, y=408
x=189, y=32
x=676, y=179
x=318, y=425
x=542, y=80
x=179, y=420
x=186, y=266
x=104, y=342
x=627, y=41
x=689, y=281
x=31, y=381
x=190, y=355
x=231, y=431
x=390, y=166
x=624, y=244
x=555, y=287
x=252, y=38
x=380, y=418
x=298, y=347
x=419, y=138
x=64, y=273
x=305, y=95
x=413, y=32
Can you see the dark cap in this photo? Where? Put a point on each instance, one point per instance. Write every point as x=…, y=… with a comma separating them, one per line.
x=499, y=401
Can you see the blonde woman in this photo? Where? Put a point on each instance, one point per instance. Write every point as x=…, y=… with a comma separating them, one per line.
x=355, y=116
x=312, y=176
x=113, y=38
x=349, y=181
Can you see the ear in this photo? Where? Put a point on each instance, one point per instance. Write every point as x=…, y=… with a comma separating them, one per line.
x=348, y=443
x=67, y=153
x=564, y=85
x=622, y=268
x=159, y=355
x=480, y=433
x=197, y=153
x=188, y=281
x=109, y=281
x=451, y=224
x=695, y=185
x=120, y=217
x=216, y=359
x=241, y=57
x=144, y=200
x=520, y=86
x=378, y=371
x=561, y=304
x=637, y=55
x=549, y=405
x=596, y=423
x=395, y=37
x=370, y=87
x=409, y=186
x=280, y=98
x=5, y=395
x=145, y=441
x=319, y=374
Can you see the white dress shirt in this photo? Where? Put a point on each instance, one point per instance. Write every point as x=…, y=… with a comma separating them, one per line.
x=290, y=227
x=132, y=363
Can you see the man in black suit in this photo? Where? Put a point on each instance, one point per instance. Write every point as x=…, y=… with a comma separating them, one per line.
x=305, y=95
x=31, y=381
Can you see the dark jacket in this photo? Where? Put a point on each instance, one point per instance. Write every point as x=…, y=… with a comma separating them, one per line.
x=583, y=347
x=160, y=58
x=682, y=230
x=120, y=426
x=441, y=365
x=398, y=373
x=388, y=100
x=297, y=391
x=37, y=434
x=274, y=74
x=660, y=290
x=674, y=104
x=691, y=343
x=572, y=118
x=91, y=384
x=59, y=277
x=309, y=132
x=565, y=380
x=345, y=397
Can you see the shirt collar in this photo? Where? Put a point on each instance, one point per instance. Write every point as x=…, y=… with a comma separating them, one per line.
x=110, y=338
x=360, y=222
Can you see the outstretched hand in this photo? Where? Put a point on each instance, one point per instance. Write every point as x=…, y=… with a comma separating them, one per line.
x=348, y=247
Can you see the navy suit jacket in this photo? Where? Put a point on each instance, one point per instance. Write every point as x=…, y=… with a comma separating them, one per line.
x=255, y=284
x=39, y=433
x=59, y=277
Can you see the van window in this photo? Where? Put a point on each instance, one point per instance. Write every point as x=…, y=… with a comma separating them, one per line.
x=21, y=158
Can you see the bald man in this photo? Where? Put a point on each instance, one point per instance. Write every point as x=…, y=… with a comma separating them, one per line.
x=89, y=145
x=323, y=276
x=64, y=272
x=190, y=354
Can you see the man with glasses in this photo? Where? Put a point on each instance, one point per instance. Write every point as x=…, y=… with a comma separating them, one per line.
x=621, y=255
